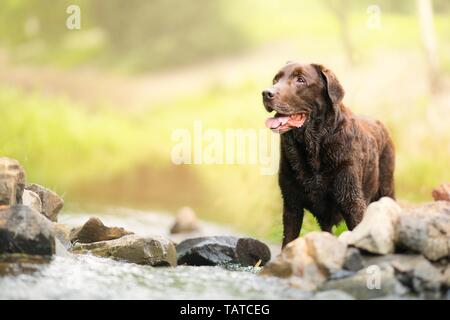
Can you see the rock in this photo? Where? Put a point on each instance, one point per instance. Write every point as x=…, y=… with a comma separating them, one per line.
x=207, y=251
x=413, y=271
x=131, y=248
x=24, y=230
x=12, y=182
x=369, y=283
x=332, y=295
x=62, y=233
x=376, y=232
x=442, y=192
x=222, y=250
x=51, y=202
x=426, y=229
x=185, y=221
x=31, y=199
x=94, y=230
x=446, y=276
x=250, y=252
x=344, y=236
x=353, y=260
x=427, y=280
x=309, y=260
x=327, y=251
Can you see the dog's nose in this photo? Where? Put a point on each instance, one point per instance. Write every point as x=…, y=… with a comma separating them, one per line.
x=268, y=94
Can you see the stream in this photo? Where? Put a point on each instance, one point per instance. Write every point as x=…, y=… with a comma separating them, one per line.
x=89, y=277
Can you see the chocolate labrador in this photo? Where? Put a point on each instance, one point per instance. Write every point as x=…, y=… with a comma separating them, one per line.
x=333, y=163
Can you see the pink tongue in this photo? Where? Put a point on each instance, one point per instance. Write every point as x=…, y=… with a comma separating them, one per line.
x=275, y=122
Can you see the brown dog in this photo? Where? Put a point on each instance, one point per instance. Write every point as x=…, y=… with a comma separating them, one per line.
x=333, y=163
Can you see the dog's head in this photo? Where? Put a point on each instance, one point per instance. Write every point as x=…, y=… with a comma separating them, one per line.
x=300, y=93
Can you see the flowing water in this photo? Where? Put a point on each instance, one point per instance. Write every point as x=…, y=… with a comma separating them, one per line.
x=89, y=277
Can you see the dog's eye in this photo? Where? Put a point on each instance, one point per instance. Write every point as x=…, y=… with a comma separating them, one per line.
x=274, y=81
x=300, y=79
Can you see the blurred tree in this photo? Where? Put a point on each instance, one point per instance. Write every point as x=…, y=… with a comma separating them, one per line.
x=425, y=12
x=163, y=33
x=342, y=10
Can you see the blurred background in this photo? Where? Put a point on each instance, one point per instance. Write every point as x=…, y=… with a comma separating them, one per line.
x=89, y=112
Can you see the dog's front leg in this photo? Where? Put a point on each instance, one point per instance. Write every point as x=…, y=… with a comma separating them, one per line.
x=348, y=194
x=292, y=224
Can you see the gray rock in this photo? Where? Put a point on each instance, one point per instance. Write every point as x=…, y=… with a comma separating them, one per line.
x=131, y=248
x=326, y=250
x=250, y=252
x=376, y=232
x=207, y=251
x=185, y=221
x=51, y=202
x=32, y=200
x=353, y=260
x=24, y=230
x=12, y=182
x=426, y=229
x=413, y=271
x=369, y=283
x=94, y=230
x=308, y=261
x=332, y=295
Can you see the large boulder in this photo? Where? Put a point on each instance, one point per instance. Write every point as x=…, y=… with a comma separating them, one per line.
x=222, y=250
x=12, y=182
x=51, y=202
x=207, y=251
x=185, y=221
x=426, y=229
x=308, y=261
x=94, y=230
x=442, y=192
x=376, y=232
x=131, y=248
x=24, y=230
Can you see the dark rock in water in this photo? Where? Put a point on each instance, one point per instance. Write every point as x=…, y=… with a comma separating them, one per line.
x=51, y=202
x=12, y=182
x=207, y=251
x=353, y=260
x=250, y=252
x=24, y=230
x=222, y=250
x=131, y=248
x=94, y=230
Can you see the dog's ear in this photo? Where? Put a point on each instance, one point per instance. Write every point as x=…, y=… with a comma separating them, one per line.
x=334, y=88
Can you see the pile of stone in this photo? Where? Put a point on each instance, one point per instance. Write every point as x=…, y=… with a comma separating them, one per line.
x=29, y=226
x=392, y=253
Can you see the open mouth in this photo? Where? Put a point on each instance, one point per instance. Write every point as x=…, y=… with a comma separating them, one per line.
x=281, y=123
